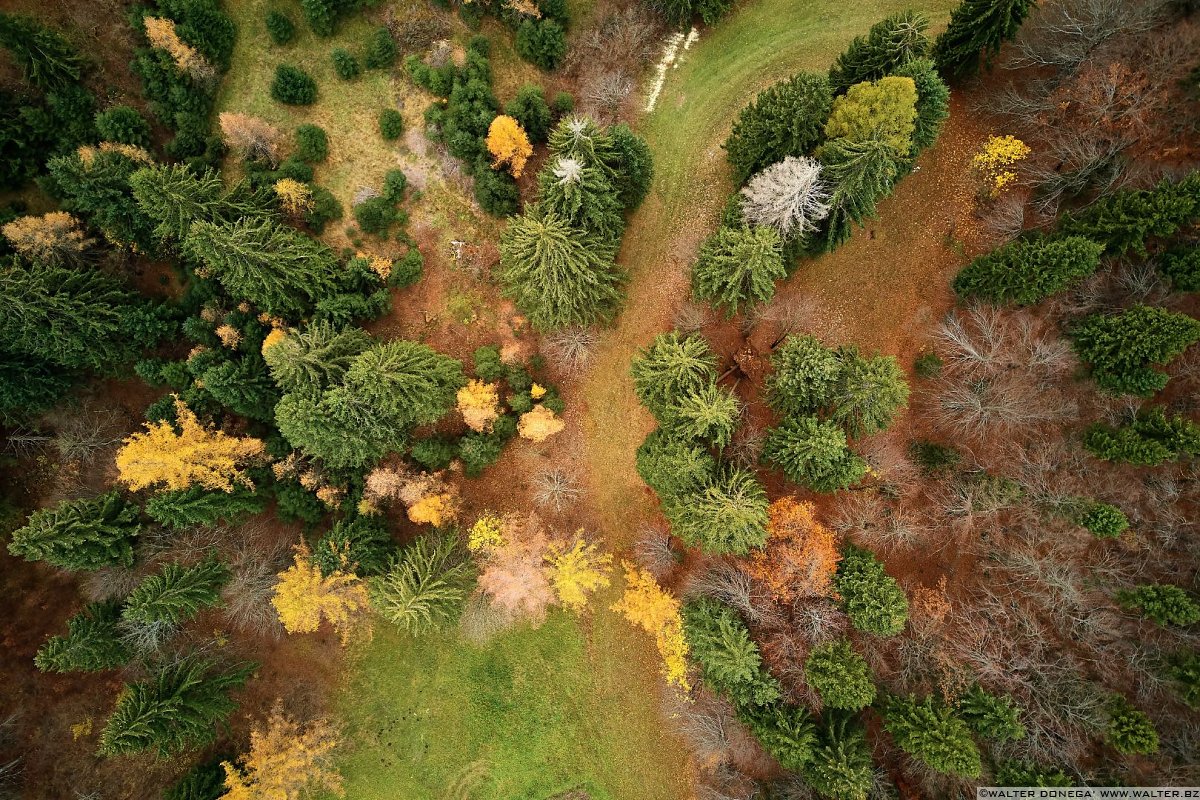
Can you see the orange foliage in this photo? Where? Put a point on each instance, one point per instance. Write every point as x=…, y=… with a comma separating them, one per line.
x=285, y=760
x=250, y=137
x=512, y=575
x=801, y=555
x=539, y=424
x=52, y=237
x=508, y=144
x=161, y=33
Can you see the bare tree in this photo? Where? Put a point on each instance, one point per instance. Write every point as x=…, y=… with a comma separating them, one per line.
x=251, y=137
x=789, y=197
x=730, y=585
x=572, y=348
x=556, y=489
x=653, y=551
x=1063, y=34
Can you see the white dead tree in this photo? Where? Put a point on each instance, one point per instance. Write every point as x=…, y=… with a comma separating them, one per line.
x=789, y=197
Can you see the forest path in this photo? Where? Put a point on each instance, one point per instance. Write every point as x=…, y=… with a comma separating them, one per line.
x=758, y=44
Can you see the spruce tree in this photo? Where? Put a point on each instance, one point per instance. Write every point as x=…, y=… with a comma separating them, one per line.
x=580, y=194
x=785, y=731
x=840, y=676
x=990, y=716
x=1130, y=731
x=407, y=383
x=862, y=173
x=1028, y=271
x=804, y=377
x=1123, y=347
x=841, y=766
x=96, y=184
x=710, y=415
x=670, y=367
x=530, y=109
x=80, y=534
x=977, y=27
x=786, y=119
x=175, y=196
x=1149, y=440
x=1126, y=220
x=813, y=453
x=315, y=358
x=176, y=709
x=632, y=163
x=1162, y=602
x=47, y=60
x=362, y=545
x=243, y=386
x=1182, y=266
x=176, y=593
x=200, y=506
x=873, y=600
x=933, y=102
x=931, y=733
x=557, y=275
x=889, y=44
x=739, y=266
x=29, y=385
x=729, y=660
x=869, y=392
x=281, y=270
x=93, y=643
x=674, y=467
x=727, y=514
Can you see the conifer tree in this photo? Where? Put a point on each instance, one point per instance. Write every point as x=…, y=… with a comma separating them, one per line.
x=804, y=377
x=889, y=44
x=1130, y=731
x=80, y=534
x=1164, y=603
x=314, y=358
x=729, y=659
x=47, y=60
x=739, y=266
x=883, y=111
x=509, y=145
x=931, y=733
x=726, y=514
x=840, y=676
x=813, y=453
x=933, y=102
x=872, y=598
x=990, y=716
x=197, y=505
x=93, y=643
x=673, y=467
x=1027, y=271
x=1151, y=439
x=869, y=392
x=861, y=173
x=786, y=119
x=671, y=367
x=176, y=593
x=632, y=164
x=785, y=731
x=581, y=194
x=841, y=766
x=977, y=27
x=285, y=762
x=280, y=270
x=710, y=415
x=1126, y=220
x=175, y=196
x=1123, y=347
x=177, y=708
x=408, y=383
x=529, y=108
x=94, y=183
x=557, y=275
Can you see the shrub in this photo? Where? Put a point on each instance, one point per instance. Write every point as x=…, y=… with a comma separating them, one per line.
x=814, y=453
x=541, y=42
x=928, y=365
x=872, y=599
x=563, y=104
x=1130, y=732
x=391, y=124
x=931, y=733
x=293, y=86
x=1162, y=602
x=495, y=190
x=312, y=145
x=1123, y=347
x=280, y=27
x=345, y=65
x=529, y=108
x=321, y=15
x=394, y=183
x=1019, y=773
x=739, y=266
x=840, y=676
x=1025, y=272
x=934, y=458
x=124, y=125
x=787, y=119
x=381, y=49
x=1184, y=669
x=1103, y=520
x=1182, y=266
x=325, y=209
x=376, y=215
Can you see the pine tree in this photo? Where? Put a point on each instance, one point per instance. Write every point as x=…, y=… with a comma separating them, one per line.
x=931, y=733
x=1122, y=348
x=280, y=270
x=200, y=506
x=729, y=660
x=710, y=415
x=813, y=453
x=671, y=367
x=1028, y=271
x=869, y=392
x=804, y=377
x=80, y=534
x=861, y=173
x=93, y=643
x=178, y=708
x=739, y=266
x=889, y=44
x=176, y=593
x=786, y=119
x=841, y=766
x=977, y=27
x=556, y=275
x=1151, y=439
x=872, y=598
x=727, y=514
x=315, y=358
x=990, y=716
x=1162, y=602
x=174, y=196
x=1125, y=220
x=840, y=676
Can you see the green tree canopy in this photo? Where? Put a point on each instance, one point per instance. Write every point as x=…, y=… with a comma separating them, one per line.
x=671, y=367
x=727, y=514
x=1123, y=347
x=80, y=534
x=977, y=27
x=710, y=415
x=891, y=43
x=873, y=600
x=739, y=266
x=1127, y=219
x=840, y=676
x=176, y=593
x=1029, y=270
x=786, y=119
x=813, y=453
x=861, y=173
x=93, y=643
x=1149, y=440
x=883, y=111
x=931, y=733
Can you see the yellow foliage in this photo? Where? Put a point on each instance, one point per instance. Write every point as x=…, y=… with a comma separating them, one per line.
x=49, y=237
x=435, y=509
x=195, y=456
x=539, y=424
x=161, y=33
x=230, y=336
x=537, y=392
x=284, y=760
x=993, y=160
x=577, y=570
x=486, y=534
x=526, y=7
x=508, y=144
x=331, y=496
x=656, y=611
x=479, y=403
x=81, y=729
x=303, y=597
x=885, y=110
x=380, y=265
x=273, y=338
x=130, y=151
x=294, y=197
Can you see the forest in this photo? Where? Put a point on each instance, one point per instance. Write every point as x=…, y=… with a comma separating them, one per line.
x=598, y=399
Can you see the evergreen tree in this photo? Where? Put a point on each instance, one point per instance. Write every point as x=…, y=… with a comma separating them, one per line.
x=362, y=545
x=873, y=600
x=671, y=367
x=785, y=731
x=29, y=385
x=315, y=358
x=557, y=275
x=841, y=766
x=174, y=196
x=530, y=109
x=176, y=593
x=632, y=165
x=243, y=386
x=804, y=377
x=727, y=514
x=814, y=454
x=861, y=173
x=280, y=270
x=933, y=102
x=710, y=415
x=47, y=60
x=1102, y=520
x=580, y=195
x=93, y=643
x=1125, y=220
x=674, y=467
x=1027, y=271
x=889, y=44
x=990, y=716
x=95, y=183
x=840, y=676
x=1130, y=731
x=1121, y=348
x=977, y=27
x=206, y=780
x=931, y=733
x=883, y=111
x=869, y=392
x=200, y=506
x=1184, y=669
x=1151, y=439
x=80, y=534
x=1162, y=602
x=729, y=660
x=786, y=119
x=738, y=266
x=175, y=709
x=1182, y=266
x=1019, y=773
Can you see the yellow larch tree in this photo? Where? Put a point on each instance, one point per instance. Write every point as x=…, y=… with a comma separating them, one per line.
x=509, y=145
x=479, y=404
x=286, y=759
x=656, y=611
x=295, y=198
x=487, y=533
x=56, y=237
x=435, y=509
x=801, y=555
x=303, y=597
x=196, y=456
x=577, y=569
x=162, y=34
x=539, y=424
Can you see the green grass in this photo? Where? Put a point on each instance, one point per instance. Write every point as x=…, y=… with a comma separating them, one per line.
x=535, y=713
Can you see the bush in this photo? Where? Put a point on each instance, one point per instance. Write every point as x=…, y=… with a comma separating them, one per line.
x=872, y=598
x=394, y=183
x=123, y=124
x=325, y=209
x=280, y=27
x=1103, y=520
x=928, y=365
x=312, y=145
x=381, y=49
x=1025, y=272
x=541, y=42
x=376, y=215
x=1130, y=732
x=391, y=124
x=934, y=458
x=478, y=451
x=1162, y=602
x=293, y=86
x=345, y=65
x=529, y=108
x=563, y=104
x=488, y=365
x=434, y=453
x=840, y=676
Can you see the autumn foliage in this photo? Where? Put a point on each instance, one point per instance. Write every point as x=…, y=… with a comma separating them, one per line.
x=801, y=556
x=656, y=611
x=303, y=597
x=512, y=573
x=508, y=144
x=994, y=161
x=196, y=456
x=575, y=570
x=161, y=33
x=56, y=237
x=251, y=137
x=479, y=404
x=285, y=760
x=539, y=424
